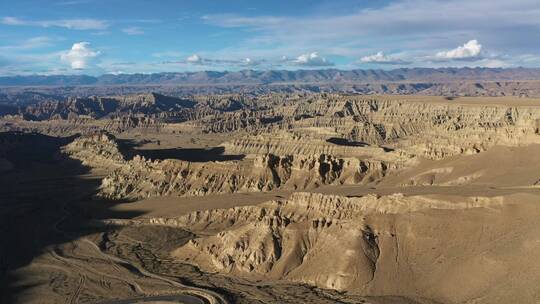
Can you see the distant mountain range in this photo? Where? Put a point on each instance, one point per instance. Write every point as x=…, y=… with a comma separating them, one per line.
x=440, y=75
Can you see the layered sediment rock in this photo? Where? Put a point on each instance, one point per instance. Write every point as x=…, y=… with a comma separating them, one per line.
x=432, y=129
x=96, y=150
x=141, y=178
x=338, y=140
x=297, y=238
x=420, y=126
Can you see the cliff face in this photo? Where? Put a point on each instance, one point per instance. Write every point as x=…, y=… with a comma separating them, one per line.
x=141, y=178
x=430, y=129
x=360, y=245
x=96, y=150
x=297, y=238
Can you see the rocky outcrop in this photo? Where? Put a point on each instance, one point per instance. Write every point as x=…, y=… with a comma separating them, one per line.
x=430, y=127
x=96, y=150
x=99, y=107
x=323, y=240
x=421, y=127
x=337, y=140
x=141, y=178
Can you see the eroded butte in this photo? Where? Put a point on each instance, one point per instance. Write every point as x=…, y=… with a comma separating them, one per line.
x=277, y=198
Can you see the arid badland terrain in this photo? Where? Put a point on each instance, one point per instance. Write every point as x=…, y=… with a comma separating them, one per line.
x=271, y=197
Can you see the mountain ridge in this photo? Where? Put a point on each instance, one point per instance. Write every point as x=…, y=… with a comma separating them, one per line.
x=281, y=76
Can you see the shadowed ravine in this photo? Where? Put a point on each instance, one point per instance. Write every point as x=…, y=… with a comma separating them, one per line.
x=42, y=215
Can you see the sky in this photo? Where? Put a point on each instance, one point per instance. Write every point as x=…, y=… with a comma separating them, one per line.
x=97, y=37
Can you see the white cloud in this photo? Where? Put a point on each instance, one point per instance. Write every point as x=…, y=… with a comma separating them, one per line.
x=194, y=59
x=526, y=59
x=312, y=59
x=12, y=21
x=308, y=60
x=75, y=24
x=471, y=49
x=509, y=27
x=80, y=55
x=116, y=72
x=19, y=63
x=198, y=60
x=28, y=44
x=36, y=42
x=381, y=58
x=133, y=31
x=249, y=62
x=494, y=63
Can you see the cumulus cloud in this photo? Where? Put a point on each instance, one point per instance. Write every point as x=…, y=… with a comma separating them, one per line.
x=74, y=24
x=80, y=55
x=133, y=31
x=194, y=59
x=249, y=62
x=312, y=59
x=470, y=50
x=381, y=58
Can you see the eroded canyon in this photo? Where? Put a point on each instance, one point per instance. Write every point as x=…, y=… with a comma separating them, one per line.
x=272, y=198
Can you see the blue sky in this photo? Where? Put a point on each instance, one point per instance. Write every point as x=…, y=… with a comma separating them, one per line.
x=118, y=36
